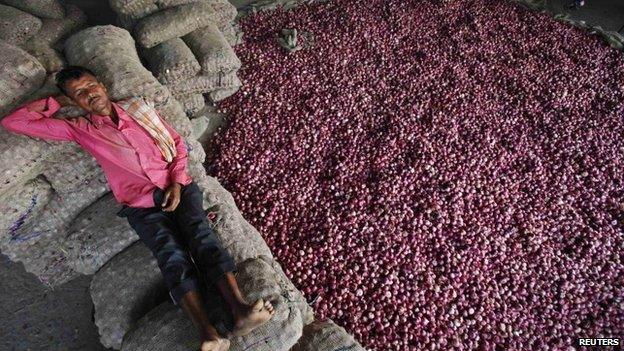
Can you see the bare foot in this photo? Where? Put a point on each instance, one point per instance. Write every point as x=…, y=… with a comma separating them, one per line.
x=212, y=342
x=254, y=316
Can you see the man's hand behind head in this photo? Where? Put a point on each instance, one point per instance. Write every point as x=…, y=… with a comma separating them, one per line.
x=41, y=106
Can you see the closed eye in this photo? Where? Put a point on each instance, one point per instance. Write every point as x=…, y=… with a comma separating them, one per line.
x=81, y=90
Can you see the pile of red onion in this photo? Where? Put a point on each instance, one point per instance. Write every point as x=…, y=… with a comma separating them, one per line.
x=437, y=174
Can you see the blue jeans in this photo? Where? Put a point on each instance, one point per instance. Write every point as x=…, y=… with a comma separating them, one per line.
x=170, y=235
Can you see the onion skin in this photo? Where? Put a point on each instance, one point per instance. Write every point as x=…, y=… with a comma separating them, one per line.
x=441, y=174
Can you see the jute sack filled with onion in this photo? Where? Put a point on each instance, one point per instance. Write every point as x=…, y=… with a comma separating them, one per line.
x=110, y=53
x=180, y=20
x=39, y=8
x=213, y=52
x=168, y=328
x=21, y=75
x=171, y=61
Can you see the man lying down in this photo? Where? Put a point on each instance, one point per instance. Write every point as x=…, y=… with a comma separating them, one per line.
x=144, y=161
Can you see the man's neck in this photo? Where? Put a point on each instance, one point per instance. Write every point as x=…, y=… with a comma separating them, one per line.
x=113, y=112
x=112, y=115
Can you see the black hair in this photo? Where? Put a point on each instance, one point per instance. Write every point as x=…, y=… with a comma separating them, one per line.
x=70, y=73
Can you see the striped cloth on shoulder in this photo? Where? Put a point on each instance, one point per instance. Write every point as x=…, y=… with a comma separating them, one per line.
x=145, y=115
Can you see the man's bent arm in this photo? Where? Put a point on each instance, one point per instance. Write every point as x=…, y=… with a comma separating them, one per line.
x=178, y=166
x=34, y=119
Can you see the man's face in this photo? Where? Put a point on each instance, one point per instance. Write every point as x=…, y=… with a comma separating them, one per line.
x=89, y=94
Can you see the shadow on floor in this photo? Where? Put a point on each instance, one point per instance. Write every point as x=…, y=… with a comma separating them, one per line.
x=36, y=318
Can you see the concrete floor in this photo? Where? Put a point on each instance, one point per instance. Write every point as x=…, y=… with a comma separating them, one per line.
x=609, y=14
x=34, y=318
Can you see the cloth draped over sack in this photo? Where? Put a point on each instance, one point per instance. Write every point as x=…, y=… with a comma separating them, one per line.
x=147, y=117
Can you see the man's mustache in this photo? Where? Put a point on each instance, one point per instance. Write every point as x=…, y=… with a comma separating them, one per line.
x=91, y=99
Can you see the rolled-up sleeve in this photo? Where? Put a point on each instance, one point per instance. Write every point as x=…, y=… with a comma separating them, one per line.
x=24, y=120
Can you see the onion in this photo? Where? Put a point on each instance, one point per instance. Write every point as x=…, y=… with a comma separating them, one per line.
x=442, y=174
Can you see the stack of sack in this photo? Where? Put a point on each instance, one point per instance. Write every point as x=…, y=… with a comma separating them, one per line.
x=187, y=45
x=44, y=183
x=39, y=27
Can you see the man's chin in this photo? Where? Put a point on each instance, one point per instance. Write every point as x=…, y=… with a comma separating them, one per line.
x=98, y=108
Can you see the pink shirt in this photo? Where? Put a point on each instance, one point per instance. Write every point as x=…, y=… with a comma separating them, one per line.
x=131, y=161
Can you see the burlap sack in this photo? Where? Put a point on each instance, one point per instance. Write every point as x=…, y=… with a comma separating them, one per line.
x=20, y=76
x=227, y=10
x=109, y=51
x=215, y=121
x=294, y=296
x=40, y=254
x=21, y=158
x=326, y=336
x=173, y=113
x=153, y=6
x=20, y=208
x=220, y=94
x=200, y=124
x=258, y=280
x=128, y=21
x=39, y=8
x=48, y=88
x=163, y=4
x=76, y=182
x=171, y=61
x=232, y=34
x=17, y=26
x=180, y=20
x=167, y=327
x=204, y=83
x=51, y=225
x=49, y=58
x=96, y=235
x=100, y=41
x=239, y=237
x=198, y=172
x=68, y=204
x=74, y=173
x=213, y=52
x=54, y=31
x=125, y=22
x=134, y=8
x=37, y=242
x=134, y=282
x=71, y=169
x=191, y=103
x=133, y=279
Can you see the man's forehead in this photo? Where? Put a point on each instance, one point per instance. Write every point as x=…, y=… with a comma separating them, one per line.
x=82, y=81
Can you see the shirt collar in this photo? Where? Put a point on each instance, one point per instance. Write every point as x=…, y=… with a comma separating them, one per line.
x=99, y=119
